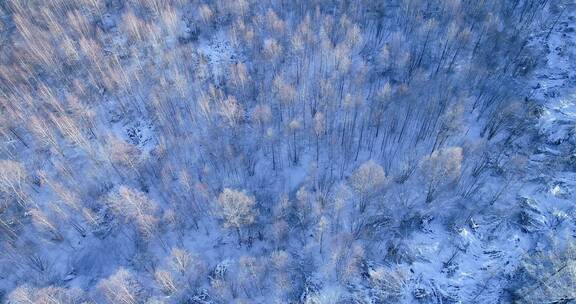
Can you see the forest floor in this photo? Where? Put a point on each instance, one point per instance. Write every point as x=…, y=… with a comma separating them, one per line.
x=488, y=250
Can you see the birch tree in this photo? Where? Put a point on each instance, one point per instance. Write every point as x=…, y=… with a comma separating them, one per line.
x=13, y=180
x=367, y=181
x=441, y=168
x=122, y=288
x=237, y=210
x=134, y=206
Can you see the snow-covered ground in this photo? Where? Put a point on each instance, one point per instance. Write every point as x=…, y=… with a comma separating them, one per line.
x=489, y=249
x=554, y=84
x=467, y=255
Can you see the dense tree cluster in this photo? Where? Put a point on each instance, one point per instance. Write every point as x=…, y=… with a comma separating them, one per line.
x=192, y=151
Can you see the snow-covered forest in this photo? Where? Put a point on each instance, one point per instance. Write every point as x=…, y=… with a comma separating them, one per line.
x=287, y=151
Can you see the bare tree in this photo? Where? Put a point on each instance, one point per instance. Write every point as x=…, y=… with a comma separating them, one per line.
x=388, y=285
x=262, y=115
x=441, y=168
x=131, y=205
x=166, y=282
x=123, y=155
x=252, y=274
x=319, y=130
x=188, y=266
x=231, y=111
x=122, y=288
x=450, y=123
x=25, y=294
x=181, y=260
x=41, y=220
x=293, y=128
x=206, y=13
x=341, y=199
x=13, y=180
x=239, y=75
x=237, y=209
x=367, y=181
x=323, y=224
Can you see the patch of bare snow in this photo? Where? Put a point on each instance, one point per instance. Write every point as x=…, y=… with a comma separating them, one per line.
x=219, y=52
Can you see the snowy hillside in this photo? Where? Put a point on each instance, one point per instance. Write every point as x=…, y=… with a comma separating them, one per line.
x=315, y=152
